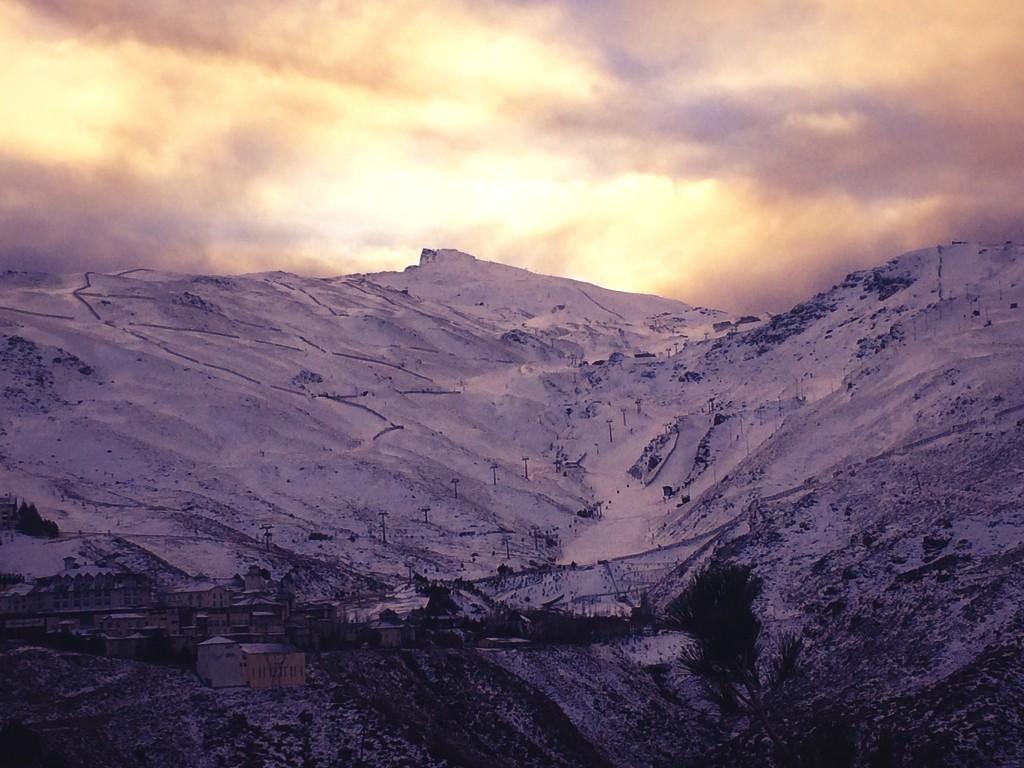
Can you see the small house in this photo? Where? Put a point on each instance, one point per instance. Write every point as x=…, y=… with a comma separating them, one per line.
x=273, y=665
x=224, y=663
x=392, y=633
x=219, y=663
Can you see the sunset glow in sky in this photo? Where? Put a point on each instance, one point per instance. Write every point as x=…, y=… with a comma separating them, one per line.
x=732, y=153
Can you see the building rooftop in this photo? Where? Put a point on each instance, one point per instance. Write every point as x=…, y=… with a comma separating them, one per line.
x=253, y=598
x=18, y=589
x=88, y=570
x=197, y=586
x=218, y=641
x=257, y=648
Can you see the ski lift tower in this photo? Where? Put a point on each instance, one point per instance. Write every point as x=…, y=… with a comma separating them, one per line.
x=268, y=537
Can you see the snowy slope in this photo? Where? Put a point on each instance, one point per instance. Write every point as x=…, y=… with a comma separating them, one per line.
x=582, y=318
x=873, y=369
x=214, y=405
x=181, y=413
x=865, y=453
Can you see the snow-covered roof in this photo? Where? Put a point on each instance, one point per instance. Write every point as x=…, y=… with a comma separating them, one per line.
x=88, y=570
x=218, y=641
x=258, y=648
x=202, y=586
x=253, y=599
x=18, y=589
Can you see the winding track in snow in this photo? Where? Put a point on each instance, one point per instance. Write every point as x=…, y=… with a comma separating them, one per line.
x=77, y=294
x=384, y=431
x=375, y=361
x=183, y=356
x=602, y=306
x=36, y=314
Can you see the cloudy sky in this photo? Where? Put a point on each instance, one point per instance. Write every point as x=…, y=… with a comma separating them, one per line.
x=735, y=153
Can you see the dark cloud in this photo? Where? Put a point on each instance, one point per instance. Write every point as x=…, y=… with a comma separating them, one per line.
x=65, y=220
x=61, y=221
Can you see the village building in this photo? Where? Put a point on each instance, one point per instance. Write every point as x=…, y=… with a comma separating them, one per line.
x=88, y=588
x=222, y=662
x=219, y=663
x=393, y=633
x=200, y=596
x=255, y=580
x=122, y=624
x=114, y=605
x=152, y=622
x=79, y=588
x=27, y=627
x=15, y=599
x=8, y=512
x=313, y=624
x=208, y=624
x=257, y=615
x=273, y=665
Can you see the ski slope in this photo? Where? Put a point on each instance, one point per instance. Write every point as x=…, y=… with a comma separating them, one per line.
x=173, y=416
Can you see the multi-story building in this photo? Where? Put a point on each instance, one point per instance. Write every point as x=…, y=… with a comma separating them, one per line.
x=85, y=588
x=198, y=595
x=154, y=621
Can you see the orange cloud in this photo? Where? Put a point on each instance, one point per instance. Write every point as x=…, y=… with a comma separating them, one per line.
x=657, y=146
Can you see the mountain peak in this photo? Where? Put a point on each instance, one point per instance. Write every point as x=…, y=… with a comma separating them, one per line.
x=444, y=256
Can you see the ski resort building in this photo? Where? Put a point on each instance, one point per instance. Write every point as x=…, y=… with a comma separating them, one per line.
x=273, y=665
x=223, y=663
x=8, y=512
x=79, y=588
x=219, y=663
x=200, y=596
x=114, y=604
x=163, y=622
x=391, y=632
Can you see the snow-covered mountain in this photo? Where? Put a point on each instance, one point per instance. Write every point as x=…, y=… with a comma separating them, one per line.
x=557, y=311
x=180, y=414
x=865, y=453
x=864, y=450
